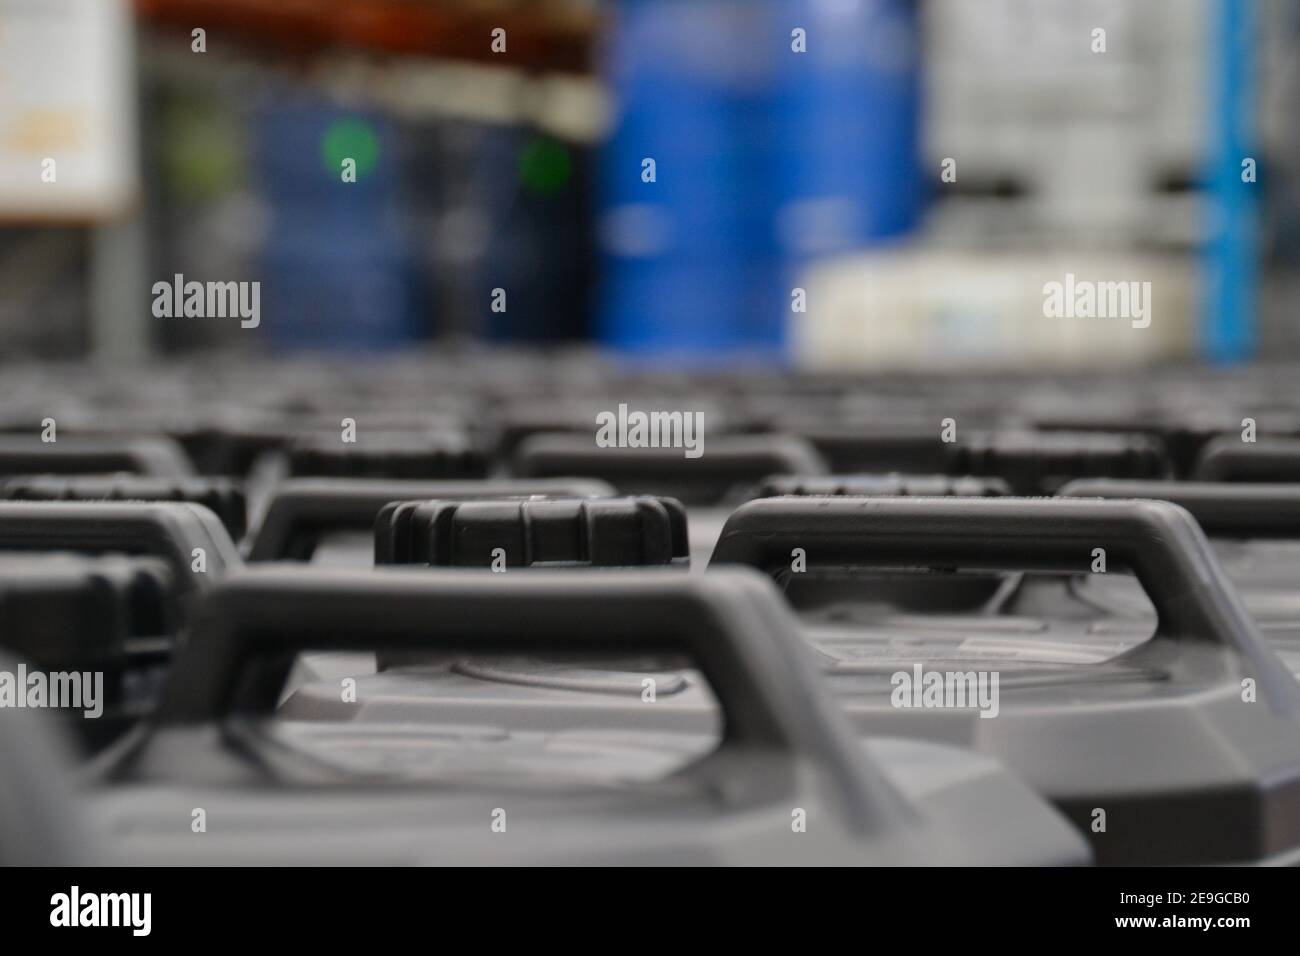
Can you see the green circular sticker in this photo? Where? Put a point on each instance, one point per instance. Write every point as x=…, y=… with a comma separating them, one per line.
x=544, y=167
x=350, y=139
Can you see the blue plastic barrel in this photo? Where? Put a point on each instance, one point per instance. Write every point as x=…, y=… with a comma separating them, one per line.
x=688, y=259
x=848, y=118
x=337, y=265
x=766, y=158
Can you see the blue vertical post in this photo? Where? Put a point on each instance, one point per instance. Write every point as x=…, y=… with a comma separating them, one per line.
x=1228, y=323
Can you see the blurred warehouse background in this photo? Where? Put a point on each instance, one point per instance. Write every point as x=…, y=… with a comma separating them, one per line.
x=873, y=184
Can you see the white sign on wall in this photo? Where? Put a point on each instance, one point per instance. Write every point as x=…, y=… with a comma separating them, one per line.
x=67, y=110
